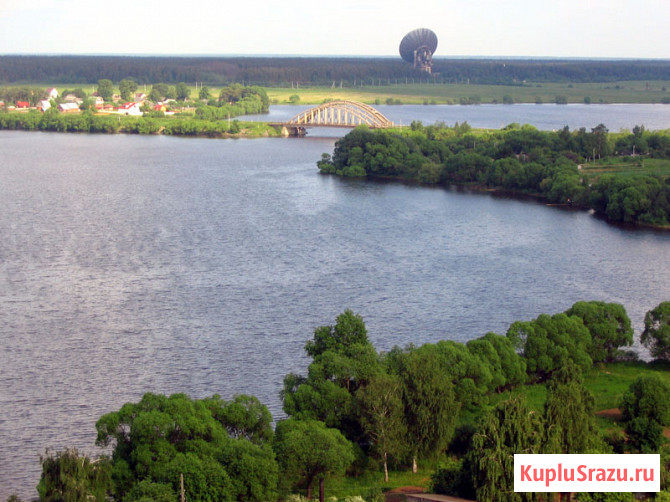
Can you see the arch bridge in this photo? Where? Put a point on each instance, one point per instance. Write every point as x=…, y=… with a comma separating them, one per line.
x=336, y=114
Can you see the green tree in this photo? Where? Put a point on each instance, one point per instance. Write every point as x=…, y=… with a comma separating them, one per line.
x=648, y=397
x=309, y=451
x=383, y=417
x=69, y=477
x=343, y=361
x=549, y=342
x=645, y=408
x=656, y=334
x=182, y=91
x=160, y=92
x=470, y=374
x=609, y=326
x=203, y=93
x=508, y=429
x=127, y=88
x=105, y=89
x=245, y=417
x=161, y=438
x=431, y=408
x=569, y=414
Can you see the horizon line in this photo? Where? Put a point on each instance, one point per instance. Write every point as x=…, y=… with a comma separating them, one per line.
x=328, y=56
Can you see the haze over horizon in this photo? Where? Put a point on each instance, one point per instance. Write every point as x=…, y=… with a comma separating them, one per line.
x=611, y=29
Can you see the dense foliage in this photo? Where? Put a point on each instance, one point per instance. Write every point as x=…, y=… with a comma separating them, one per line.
x=316, y=70
x=656, y=334
x=520, y=159
x=222, y=449
x=356, y=407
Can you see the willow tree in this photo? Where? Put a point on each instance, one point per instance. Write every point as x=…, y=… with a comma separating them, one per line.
x=569, y=414
x=609, y=326
x=508, y=429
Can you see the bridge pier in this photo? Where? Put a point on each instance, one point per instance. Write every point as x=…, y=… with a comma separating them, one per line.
x=291, y=130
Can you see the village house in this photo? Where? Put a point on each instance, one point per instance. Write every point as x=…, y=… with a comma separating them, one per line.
x=140, y=97
x=43, y=105
x=22, y=105
x=71, y=98
x=130, y=108
x=68, y=107
x=98, y=102
x=52, y=93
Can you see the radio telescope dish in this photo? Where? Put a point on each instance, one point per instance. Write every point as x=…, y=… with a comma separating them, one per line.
x=417, y=47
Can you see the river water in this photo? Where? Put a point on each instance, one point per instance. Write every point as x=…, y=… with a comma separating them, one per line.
x=545, y=117
x=131, y=264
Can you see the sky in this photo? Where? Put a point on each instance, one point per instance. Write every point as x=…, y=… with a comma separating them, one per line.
x=521, y=28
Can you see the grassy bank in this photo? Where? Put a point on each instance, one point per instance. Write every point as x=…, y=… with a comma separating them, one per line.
x=607, y=383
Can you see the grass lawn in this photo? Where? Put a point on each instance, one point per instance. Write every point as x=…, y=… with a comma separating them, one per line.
x=628, y=166
x=370, y=482
x=611, y=92
x=607, y=383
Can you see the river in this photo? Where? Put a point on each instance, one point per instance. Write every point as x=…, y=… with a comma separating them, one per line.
x=131, y=264
x=545, y=117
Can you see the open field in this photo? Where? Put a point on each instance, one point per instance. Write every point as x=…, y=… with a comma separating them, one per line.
x=609, y=92
x=621, y=92
x=628, y=166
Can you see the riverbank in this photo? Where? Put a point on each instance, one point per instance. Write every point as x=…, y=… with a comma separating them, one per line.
x=87, y=122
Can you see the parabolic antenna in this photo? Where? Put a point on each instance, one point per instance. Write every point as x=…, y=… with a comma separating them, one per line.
x=418, y=47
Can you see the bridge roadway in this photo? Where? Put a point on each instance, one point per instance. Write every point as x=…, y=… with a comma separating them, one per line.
x=347, y=114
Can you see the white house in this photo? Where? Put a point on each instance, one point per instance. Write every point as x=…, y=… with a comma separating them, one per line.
x=52, y=93
x=131, y=108
x=44, y=105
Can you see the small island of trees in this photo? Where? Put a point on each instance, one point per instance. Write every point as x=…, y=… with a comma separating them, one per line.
x=457, y=412
x=623, y=176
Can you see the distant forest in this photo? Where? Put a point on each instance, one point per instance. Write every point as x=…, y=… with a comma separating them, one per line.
x=346, y=71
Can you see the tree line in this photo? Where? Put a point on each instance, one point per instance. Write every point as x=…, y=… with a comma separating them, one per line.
x=70, y=69
x=519, y=159
x=357, y=410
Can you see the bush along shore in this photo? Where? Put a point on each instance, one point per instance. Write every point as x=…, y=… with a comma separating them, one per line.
x=455, y=411
x=624, y=176
x=156, y=123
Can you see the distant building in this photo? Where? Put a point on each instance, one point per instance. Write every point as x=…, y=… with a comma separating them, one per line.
x=140, y=97
x=71, y=98
x=22, y=104
x=131, y=108
x=98, y=102
x=43, y=105
x=52, y=93
x=68, y=107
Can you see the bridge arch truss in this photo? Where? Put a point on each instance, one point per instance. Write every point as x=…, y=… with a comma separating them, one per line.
x=341, y=114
